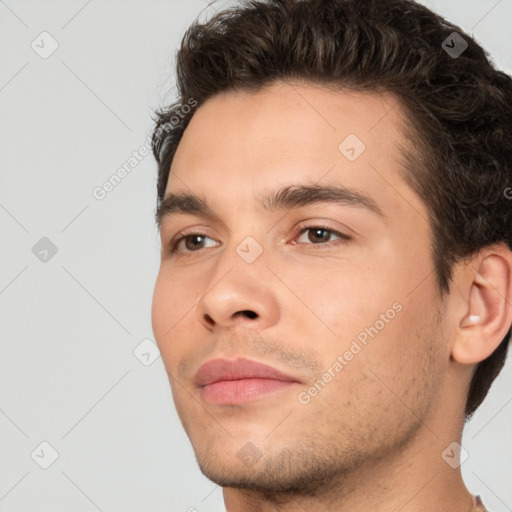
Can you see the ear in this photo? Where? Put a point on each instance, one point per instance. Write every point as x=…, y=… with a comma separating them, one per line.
x=487, y=305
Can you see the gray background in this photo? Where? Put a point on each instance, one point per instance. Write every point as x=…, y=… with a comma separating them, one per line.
x=69, y=325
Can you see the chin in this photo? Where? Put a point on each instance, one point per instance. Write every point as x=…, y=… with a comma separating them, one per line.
x=270, y=476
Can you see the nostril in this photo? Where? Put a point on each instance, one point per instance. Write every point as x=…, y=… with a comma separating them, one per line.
x=248, y=313
x=209, y=319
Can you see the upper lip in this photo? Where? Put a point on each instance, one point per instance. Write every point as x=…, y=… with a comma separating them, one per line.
x=217, y=370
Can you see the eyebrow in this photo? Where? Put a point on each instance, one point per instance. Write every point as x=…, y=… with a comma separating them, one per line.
x=290, y=197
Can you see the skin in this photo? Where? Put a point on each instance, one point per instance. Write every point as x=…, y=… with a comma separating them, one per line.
x=372, y=438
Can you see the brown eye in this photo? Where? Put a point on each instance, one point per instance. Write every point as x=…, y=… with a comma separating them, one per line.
x=319, y=235
x=192, y=242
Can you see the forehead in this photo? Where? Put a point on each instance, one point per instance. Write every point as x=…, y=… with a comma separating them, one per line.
x=239, y=145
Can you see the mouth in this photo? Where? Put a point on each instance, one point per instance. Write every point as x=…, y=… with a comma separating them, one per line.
x=224, y=381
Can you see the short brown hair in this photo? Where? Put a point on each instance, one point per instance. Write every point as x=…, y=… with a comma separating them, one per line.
x=459, y=106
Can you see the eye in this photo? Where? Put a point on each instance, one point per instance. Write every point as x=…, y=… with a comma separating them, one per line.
x=193, y=242
x=320, y=235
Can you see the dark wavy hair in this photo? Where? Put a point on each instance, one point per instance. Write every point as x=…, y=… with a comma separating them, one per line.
x=459, y=107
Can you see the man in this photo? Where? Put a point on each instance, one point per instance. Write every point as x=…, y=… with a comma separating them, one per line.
x=334, y=297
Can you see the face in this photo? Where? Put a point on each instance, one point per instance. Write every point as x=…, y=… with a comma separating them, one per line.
x=312, y=257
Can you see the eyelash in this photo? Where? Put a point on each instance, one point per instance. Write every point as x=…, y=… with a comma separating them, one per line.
x=343, y=239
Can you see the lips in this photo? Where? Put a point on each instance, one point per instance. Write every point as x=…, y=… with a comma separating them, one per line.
x=225, y=369
x=224, y=381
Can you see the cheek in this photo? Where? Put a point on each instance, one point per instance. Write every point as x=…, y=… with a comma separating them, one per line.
x=392, y=373
x=173, y=303
x=348, y=300
x=373, y=308
x=408, y=351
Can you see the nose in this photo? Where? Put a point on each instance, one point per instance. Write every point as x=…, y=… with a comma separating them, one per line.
x=238, y=294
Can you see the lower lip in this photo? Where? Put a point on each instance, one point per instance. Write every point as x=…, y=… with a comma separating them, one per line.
x=241, y=391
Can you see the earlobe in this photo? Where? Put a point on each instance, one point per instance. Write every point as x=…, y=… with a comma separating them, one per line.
x=488, y=313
